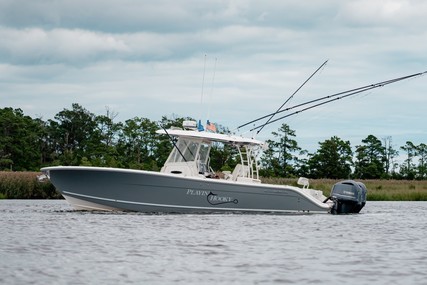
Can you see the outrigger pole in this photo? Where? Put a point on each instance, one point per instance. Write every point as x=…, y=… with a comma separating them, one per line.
x=334, y=97
x=287, y=100
x=290, y=97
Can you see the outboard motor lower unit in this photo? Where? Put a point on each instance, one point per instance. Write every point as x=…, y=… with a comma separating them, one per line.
x=348, y=196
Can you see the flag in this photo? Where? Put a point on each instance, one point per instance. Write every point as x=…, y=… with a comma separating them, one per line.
x=210, y=127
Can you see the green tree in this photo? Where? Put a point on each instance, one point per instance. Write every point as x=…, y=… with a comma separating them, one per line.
x=282, y=155
x=74, y=134
x=390, y=154
x=407, y=169
x=19, y=141
x=302, y=166
x=333, y=159
x=137, y=143
x=370, y=158
x=422, y=167
x=105, y=140
x=270, y=164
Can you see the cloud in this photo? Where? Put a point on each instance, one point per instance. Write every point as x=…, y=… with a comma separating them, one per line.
x=71, y=31
x=384, y=13
x=38, y=46
x=116, y=17
x=146, y=58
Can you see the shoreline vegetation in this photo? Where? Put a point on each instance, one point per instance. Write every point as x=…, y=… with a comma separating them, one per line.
x=378, y=189
x=25, y=185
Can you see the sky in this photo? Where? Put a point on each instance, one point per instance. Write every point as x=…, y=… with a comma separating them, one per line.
x=227, y=61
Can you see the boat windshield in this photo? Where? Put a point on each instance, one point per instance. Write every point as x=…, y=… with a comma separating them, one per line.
x=191, y=150
x=204, y=153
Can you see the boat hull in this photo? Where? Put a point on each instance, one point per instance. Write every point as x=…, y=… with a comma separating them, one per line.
x=95, y=188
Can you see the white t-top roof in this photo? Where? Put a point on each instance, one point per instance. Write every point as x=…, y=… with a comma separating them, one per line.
x=209, y=136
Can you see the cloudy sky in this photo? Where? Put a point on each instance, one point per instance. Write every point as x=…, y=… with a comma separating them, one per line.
x=231, y=61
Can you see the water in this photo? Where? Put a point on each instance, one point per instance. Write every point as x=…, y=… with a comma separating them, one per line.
x=45, y=242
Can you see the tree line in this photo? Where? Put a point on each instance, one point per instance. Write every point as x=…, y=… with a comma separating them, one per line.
x=76, y=136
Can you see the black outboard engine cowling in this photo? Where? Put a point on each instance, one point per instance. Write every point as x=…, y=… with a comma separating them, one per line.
x=348, y=196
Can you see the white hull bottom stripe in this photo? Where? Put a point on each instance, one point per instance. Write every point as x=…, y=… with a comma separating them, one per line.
x=100, y=206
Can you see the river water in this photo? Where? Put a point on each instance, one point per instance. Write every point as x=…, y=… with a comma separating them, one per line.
x=46, y=242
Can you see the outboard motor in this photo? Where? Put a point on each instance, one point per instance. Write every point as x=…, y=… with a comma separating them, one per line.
x=348, y=196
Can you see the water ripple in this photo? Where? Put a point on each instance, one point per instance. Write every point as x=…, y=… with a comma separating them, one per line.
x=45, y=242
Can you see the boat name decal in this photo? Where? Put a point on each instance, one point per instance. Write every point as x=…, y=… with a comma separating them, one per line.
x=214, y=199
x=197, y=192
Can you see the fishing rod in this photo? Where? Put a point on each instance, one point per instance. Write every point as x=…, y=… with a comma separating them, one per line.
x=290, y=97
x=344, y=93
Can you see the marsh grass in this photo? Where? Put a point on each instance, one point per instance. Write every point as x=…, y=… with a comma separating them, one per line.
x=25, y=185
x=378, y=190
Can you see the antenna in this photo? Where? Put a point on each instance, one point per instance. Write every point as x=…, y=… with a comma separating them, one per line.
x=203, y=84
x=212, y=87
x=200, y=126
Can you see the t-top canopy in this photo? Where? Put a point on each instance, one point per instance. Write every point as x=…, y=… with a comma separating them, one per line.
x=209, y=136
